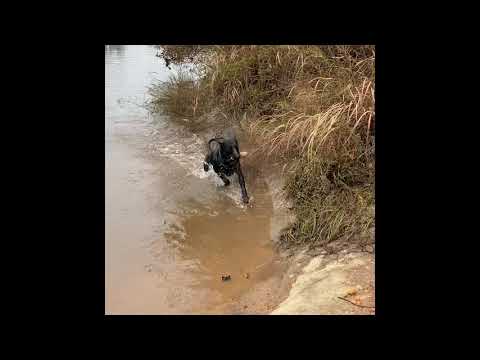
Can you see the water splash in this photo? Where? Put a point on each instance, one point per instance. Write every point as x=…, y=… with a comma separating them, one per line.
x=189, y=153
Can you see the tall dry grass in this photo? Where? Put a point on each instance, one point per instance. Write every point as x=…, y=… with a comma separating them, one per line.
x=312, y=107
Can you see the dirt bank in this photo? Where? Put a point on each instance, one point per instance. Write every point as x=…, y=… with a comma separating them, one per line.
x=331, y=285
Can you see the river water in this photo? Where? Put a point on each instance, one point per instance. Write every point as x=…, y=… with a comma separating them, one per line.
x=172, y=230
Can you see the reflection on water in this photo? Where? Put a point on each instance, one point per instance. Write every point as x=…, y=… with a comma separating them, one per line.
x=117, y=50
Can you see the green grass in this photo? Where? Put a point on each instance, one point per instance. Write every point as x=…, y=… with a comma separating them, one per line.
x=312, y=107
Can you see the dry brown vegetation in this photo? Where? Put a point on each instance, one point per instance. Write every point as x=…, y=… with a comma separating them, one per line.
x=312, y=107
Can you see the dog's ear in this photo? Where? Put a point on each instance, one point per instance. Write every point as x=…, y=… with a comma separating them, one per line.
x=214, y=146
x=215, y=152
x=235, y=154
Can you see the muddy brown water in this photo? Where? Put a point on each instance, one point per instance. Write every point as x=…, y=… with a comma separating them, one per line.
x=172, y=230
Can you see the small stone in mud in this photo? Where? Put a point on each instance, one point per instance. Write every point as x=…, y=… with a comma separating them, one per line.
x=226, y=277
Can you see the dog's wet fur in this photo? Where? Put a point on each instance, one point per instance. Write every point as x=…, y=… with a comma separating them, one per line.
x=224, y=155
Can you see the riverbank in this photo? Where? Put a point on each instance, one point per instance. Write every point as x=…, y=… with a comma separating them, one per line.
x=309, y=112
x=309, y=109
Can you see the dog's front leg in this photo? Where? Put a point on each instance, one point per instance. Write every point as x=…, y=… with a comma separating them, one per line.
x=241, y=181
x=206, y=162
x=225, y=179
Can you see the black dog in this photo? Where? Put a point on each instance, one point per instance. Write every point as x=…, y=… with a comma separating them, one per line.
x=224, y=155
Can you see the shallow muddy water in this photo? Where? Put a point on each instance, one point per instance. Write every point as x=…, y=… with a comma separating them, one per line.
x=172, y=230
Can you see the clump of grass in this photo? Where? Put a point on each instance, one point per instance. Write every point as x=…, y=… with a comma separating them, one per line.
x=332, y=204
x=180, y=96
x=312, y=107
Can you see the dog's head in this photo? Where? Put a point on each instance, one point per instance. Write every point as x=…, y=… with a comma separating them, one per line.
x=229, y=146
